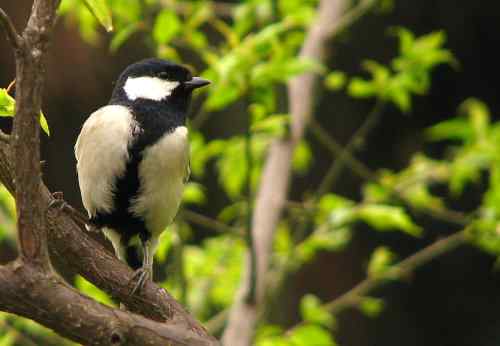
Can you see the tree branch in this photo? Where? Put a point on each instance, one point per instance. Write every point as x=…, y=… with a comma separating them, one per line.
x=401, y=270
x=338, y=150
x=10, y=30
x=271, y=196
x=356, y=140
x=45, y=298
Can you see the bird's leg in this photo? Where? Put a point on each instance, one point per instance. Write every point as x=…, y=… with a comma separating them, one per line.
x=59, y=203
x=145, y=273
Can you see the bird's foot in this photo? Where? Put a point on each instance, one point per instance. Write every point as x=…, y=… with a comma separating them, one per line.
x=59, y=203
x=139, y=279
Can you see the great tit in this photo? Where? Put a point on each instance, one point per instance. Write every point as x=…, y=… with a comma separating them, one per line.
x=133, y=159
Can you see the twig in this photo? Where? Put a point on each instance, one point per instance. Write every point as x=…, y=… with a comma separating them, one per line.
x=216, y=323
x=401, y=270
x=15, y=40
x=251, y=297
x=208, y=222
x=336, y=149
x=10, y=86
x=356, y=140
x=350, y=17
x=397, y=271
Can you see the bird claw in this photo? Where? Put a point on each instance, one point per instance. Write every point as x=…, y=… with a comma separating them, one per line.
x=141, y=276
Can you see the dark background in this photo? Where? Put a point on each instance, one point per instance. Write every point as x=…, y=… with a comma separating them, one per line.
x=454, y=301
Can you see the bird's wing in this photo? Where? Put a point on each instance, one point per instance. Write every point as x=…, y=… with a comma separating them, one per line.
x=101, y=152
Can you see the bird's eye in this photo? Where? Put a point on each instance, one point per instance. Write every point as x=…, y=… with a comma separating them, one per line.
x=163, y=75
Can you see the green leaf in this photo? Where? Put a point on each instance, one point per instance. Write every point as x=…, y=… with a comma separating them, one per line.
x=194, y=194
x=100, y=10
x=371, y=307
x=330, y=202
x=275, y=125
x=325, y=238
x=312, y=335
x=92, y=291
x=376, y=193
x=467, y=166
x=457, y=128
x=479, y=116
x=406, y=39
x=167, y=25
x=282, y=71
x=360, y=88
x=335, y=80
x=8, y=339
x=380, y=261
x=302, y=157
x=7, y=104
x=44, y=124
x=386, y=217
x=312, y=311
x=401, y=98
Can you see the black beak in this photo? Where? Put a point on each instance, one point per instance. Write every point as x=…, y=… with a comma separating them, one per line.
x=196, y=82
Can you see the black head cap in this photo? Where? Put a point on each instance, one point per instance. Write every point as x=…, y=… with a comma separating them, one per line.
x=184, y=82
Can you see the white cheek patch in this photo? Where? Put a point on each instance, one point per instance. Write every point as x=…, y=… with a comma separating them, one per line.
x=150, y=88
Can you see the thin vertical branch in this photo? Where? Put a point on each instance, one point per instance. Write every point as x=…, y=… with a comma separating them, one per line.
x=251, y=296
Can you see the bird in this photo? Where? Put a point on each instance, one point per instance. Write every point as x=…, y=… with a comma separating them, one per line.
x=133, y=159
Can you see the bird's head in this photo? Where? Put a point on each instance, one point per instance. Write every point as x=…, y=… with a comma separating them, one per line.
x=157, y=80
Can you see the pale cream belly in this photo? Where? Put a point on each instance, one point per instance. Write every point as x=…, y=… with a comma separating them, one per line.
x=162, y=173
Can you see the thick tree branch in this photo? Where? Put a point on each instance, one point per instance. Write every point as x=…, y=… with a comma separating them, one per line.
x=10, y=30
x=272, y=193
x=45, y=298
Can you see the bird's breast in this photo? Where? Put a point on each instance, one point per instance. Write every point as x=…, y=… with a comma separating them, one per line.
x=161, y=174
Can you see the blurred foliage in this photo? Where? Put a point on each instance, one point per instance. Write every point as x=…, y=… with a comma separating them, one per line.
x=250, y=53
